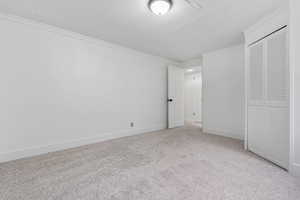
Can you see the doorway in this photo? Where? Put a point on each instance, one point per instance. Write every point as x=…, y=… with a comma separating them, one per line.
x=193, y=96
x=184, y=96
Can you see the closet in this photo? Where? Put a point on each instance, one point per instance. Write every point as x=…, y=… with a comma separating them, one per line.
x=267, y=91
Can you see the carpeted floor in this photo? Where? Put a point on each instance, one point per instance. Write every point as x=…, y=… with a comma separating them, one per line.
x=178, y=164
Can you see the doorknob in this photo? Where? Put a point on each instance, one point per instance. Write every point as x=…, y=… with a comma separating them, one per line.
x=170, y=100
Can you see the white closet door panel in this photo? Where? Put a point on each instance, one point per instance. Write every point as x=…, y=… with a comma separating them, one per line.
x=257, y=129
x=277, y=68
x=268, y=133
x=256, y=67
x=268, y=111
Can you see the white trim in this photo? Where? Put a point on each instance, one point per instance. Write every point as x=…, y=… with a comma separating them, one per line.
x=294, y=168
x=34, y=151
x=193, y=120
x=229, y=134
x=72, y=34
x=246, y=94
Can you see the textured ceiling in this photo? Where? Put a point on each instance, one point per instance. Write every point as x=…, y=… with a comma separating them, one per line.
x=184, y=33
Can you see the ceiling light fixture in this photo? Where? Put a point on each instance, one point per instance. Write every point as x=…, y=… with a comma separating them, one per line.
x=160, y=7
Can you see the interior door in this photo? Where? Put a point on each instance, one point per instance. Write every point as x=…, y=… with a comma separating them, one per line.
x=175, y=96
x=268, y=99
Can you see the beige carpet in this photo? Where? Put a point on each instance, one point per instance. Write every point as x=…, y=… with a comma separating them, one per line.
x=174, y=164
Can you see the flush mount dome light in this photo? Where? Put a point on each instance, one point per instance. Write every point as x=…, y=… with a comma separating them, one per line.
x=160, y=7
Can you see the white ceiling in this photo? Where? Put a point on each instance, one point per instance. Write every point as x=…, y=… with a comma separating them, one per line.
x=182, y=34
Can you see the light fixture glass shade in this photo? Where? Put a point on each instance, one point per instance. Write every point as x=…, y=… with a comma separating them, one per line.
x=160, y=7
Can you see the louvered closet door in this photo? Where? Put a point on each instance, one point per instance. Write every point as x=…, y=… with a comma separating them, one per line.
x=277, y=69
x=268, y=110
x=256, y=72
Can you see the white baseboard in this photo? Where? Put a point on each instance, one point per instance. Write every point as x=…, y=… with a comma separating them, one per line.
x=295, y=170
x=193, y=120
x=34, y=151
x=229, y=134
x=178, y=124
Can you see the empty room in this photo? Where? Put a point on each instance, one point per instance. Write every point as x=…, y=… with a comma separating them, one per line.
x=150, y=100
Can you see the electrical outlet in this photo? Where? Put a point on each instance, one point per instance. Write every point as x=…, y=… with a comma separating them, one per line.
x=131, y=124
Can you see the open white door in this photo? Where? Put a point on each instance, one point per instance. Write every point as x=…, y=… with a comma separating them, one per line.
x=175, y=97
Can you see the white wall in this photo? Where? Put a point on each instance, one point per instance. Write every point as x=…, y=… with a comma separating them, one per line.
x=295, y=86
x=193, y=95
x=60, y=89
x=223, y=92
